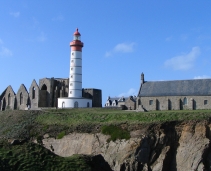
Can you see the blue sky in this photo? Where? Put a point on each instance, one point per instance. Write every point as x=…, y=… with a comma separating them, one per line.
x=166, y=40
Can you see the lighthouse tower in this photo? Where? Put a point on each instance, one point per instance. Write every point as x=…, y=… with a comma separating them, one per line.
x=75, y=99
x=75, y=77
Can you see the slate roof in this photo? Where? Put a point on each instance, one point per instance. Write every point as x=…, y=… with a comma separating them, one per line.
x=196, y=87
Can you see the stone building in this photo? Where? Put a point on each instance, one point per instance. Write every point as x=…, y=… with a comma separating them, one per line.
x=43, y=95
x=174, y=95
x=127, y=103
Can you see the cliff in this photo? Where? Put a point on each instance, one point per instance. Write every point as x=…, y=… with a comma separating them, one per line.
x=158, y=141
x=169, y=146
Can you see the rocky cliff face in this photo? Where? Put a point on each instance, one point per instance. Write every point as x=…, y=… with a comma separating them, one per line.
x=161, y=147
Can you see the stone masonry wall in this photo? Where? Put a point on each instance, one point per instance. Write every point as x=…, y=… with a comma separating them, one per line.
x=22, y=103
x=176, y=102
x=34, y=95
x=12, y=103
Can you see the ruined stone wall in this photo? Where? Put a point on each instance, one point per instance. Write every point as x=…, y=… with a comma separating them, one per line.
x=46, y=88
x=8, y=100
x=22, y=98
x=34, y=95
x=95, y=95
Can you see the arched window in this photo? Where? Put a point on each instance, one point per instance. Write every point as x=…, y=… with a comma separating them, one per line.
x=76, y=104
x=4, y=104
x=63, y=104
x=44, y=87
x=21, y=98
x=185, y=101
x=33, y=93
x=87, y=104
x=169, y=104
x=9, y=99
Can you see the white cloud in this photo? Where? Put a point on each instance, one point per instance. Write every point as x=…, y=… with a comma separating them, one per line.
x=124, y=48
x=121, y=48
x=15, y=14
x=183, y=62
x=202, y=77
x=42, y=37
x=58, y=18
x=130, y=92
x=5, y=52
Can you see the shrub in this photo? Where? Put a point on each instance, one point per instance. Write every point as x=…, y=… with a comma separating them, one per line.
x=61, y=135
x=115, y=132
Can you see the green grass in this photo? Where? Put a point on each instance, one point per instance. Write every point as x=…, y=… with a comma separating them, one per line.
x=61, y=135
x=115, y=132
x=73, y=117
x=32, y=157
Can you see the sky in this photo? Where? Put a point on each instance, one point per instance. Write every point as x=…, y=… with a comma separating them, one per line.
x=166, y=40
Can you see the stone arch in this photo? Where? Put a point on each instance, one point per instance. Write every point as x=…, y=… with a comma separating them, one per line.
x=4, y=104
x=157, y=104
x=169, y=105
x=180, y=104
x=33, y=92
x=9, y=99
x=139, y=101
x=21, y=98
x=76, y=104
x=44, y=87
x=63, y=104
x=185, y=101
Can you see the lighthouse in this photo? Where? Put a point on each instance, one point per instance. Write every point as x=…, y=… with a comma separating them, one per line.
x=75, y=77
x=75, y=99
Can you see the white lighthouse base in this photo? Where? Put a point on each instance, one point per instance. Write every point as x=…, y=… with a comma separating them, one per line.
x=74, y=102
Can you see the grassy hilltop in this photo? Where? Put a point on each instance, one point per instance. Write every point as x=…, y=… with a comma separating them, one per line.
x=31, y=125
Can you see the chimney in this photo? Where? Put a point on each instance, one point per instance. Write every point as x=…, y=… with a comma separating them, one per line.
x=142, y=78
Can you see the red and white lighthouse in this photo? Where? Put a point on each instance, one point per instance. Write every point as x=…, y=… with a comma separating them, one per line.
x=75, y=77
x=75, y=98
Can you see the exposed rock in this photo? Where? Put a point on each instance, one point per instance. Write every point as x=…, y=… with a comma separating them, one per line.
x=165, y=147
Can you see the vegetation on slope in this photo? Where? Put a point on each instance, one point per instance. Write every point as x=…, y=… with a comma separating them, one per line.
x=115, y=132
x=109, y=116
x=32, y=157
x=57, y=123
x=31, y=125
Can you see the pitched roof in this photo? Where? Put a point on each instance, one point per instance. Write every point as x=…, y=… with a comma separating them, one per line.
x=196, y=87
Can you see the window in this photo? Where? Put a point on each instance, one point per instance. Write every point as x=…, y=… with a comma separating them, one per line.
x=21, y=98
x=71, y=68
x=87, y=104
x=72, y=54
x=63, y=104
x=169, y=104
x=70, y=92
x=71, y=84
x=150, y=102
x=185, y=101
x=76, y=104
x=9, y=99
x=72, y=61
x=33, y=93
x=205, y=102
x=71, y=76
x=44, y=87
